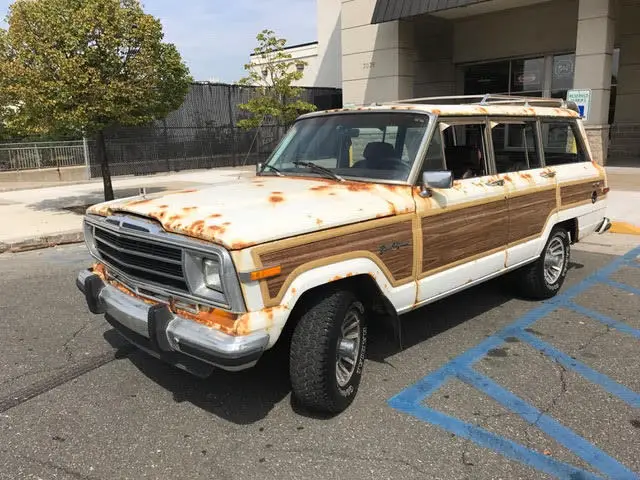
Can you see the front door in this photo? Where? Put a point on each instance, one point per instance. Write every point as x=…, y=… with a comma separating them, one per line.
x=465, y=228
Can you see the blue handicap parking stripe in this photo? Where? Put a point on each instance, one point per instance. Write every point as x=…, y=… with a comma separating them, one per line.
x=611, y=386
x=622, y=286
x=621, y=327
x=484, y=438
x=410, y=400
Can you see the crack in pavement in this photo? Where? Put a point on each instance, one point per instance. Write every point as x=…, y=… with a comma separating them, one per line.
x=594, y=337
x=65, y=345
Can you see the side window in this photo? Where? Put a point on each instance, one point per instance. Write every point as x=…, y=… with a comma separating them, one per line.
x=434, y=160
x=465, y=150
x=515, y=146
x=561, y=141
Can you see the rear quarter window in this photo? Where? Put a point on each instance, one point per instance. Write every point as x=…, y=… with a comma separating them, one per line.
x=562, y=142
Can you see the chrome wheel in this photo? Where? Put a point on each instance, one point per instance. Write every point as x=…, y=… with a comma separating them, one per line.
x=554, y=260
x=349, y=345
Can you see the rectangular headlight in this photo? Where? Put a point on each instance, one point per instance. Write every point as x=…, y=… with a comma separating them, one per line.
x=212, y=277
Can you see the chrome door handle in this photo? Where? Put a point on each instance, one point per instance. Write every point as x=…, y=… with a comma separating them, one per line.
x=548, y=174
x=495, y=183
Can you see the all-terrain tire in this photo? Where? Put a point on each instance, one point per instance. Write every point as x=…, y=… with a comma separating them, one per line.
x=531, y=281
x=314, y=350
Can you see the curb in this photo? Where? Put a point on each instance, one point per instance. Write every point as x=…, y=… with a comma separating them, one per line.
x=624, y=228
x=36, y=243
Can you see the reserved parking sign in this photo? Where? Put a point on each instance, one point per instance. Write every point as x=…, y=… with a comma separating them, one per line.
x=582, y=99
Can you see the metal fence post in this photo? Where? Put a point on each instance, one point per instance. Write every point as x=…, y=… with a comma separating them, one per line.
x=87, y=162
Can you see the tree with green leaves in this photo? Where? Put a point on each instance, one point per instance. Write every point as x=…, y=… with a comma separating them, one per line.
x=273, y=70
x=83, y=66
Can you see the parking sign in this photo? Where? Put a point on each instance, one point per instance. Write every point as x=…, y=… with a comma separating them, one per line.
x=582, y=99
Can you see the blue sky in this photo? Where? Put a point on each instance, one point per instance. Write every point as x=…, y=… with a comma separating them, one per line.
x=215, y=37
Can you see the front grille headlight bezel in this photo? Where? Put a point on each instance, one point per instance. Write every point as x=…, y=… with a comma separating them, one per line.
x=194, y=253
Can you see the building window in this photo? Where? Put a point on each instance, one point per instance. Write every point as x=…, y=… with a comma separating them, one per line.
x=550, y=76
x=562, y=75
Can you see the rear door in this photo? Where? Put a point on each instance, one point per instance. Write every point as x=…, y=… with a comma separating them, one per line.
x=531, y=188
x=464, y=228
x=581, y=182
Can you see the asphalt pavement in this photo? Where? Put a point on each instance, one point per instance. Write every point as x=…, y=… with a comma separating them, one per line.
x=487, y=386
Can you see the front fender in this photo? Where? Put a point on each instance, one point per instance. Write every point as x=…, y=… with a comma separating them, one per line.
x=273, y=319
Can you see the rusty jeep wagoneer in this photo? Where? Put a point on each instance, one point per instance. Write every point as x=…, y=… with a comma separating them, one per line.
x=358, y=213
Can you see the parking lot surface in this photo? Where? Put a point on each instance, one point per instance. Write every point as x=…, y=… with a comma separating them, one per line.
x=486, y=386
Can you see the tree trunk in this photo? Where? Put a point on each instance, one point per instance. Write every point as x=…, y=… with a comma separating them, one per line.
x=104, y=166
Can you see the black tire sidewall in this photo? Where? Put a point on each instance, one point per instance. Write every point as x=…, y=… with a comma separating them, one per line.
x=343, y=396
x=564, y=236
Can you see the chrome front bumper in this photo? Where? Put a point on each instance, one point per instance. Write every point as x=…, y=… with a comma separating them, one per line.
x=179, y=341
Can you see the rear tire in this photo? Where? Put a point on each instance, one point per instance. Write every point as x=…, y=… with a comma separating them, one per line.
x=543, y=279
x=328, y=350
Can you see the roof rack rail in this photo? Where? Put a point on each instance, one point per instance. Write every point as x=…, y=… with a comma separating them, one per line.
x=494, y=99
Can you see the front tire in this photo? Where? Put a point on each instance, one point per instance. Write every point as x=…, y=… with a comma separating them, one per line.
x=327, y=351
x=543, y=279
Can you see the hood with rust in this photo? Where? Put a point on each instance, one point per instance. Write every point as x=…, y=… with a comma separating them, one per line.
x=252, y=211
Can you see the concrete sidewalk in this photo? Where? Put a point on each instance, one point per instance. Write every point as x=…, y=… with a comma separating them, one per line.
x=34, y=218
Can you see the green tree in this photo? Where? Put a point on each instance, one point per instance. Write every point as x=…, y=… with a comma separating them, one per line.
x=82, y=66
x=273, y=70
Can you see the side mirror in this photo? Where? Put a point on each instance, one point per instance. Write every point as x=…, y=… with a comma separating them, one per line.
x=435, y=179
x=259, y=166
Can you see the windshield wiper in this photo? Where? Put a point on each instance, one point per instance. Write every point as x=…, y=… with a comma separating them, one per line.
x=320, y=169
x=274, y=170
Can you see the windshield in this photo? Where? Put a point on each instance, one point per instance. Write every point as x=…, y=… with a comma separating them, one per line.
x=376, y=146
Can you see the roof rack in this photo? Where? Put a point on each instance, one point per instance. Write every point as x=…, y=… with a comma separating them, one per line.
x=495, y=99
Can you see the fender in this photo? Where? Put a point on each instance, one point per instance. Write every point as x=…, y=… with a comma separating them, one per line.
x=274, y=319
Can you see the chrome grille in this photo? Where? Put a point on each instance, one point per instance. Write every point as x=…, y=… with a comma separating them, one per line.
x=142, y=260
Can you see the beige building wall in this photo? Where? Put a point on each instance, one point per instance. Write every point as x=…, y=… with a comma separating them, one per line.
x=378, y=61
x=539, y=29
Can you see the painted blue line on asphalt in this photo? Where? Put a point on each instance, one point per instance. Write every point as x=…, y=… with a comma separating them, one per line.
x=611, y=386
x=622, y=286
x=561, y=434
x=410, y=400
x=486, y=439
x=621, y=327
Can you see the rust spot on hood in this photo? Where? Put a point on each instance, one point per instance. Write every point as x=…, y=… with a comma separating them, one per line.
x=189, y=209
x=197, y=227
x=215, y=215
x=276, y=199
x=319, y=222
x=190, y=190
x=321, y=188
x=216, y=229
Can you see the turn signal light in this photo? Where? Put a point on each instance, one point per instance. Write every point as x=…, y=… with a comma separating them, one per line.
x=265, y=273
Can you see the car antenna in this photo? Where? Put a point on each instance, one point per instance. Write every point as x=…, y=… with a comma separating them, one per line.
x=246, y=158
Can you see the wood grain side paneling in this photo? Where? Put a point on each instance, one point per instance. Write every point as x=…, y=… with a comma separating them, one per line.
x=398, y=260
x=453, y=236
x=580, y=192
x=528, y=214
